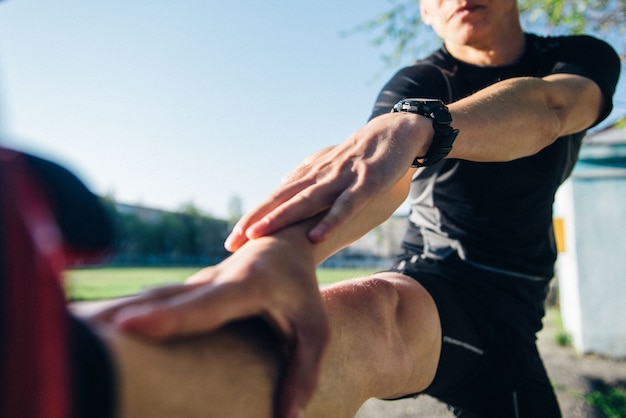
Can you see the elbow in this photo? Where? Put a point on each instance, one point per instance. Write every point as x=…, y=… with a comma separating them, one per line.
x=574, y=103
x=550, y=124
x=552, y=128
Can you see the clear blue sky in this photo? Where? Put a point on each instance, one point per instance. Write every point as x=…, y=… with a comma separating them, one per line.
x=161, y=103
x=166, y=102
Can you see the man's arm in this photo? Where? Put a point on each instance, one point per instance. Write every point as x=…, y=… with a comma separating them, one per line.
x=519, y=117
x=508, y=120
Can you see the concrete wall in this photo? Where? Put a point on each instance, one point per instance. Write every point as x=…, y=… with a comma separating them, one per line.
x=592, y=267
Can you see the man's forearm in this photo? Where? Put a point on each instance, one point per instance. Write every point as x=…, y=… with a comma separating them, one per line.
x=518, y=117
x=377, y=211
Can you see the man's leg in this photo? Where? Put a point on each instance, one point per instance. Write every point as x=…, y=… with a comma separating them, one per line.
x=385, y=343
x=233, y=372
x=533, y=397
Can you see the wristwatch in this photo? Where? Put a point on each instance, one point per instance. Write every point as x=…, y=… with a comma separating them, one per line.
x=444, y=133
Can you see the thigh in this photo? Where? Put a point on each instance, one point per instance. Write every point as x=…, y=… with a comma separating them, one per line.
x=487, y=368
x=533, y=397
x=465, y=336
x=233, y=372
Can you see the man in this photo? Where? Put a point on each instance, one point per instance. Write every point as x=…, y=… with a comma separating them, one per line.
x=460, y=309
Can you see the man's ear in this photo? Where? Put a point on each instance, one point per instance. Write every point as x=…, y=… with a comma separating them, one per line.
x=424, y=14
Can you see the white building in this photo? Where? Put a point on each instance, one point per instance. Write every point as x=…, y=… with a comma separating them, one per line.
x=590, y=213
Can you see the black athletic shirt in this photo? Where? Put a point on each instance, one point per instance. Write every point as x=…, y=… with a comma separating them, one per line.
x=496, y=215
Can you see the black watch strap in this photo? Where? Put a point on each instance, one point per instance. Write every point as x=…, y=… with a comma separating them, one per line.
x=444, y=133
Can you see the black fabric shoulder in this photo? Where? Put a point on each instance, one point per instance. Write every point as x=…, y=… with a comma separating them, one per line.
x=586, y=56
x=425, y=79
x=595, y=58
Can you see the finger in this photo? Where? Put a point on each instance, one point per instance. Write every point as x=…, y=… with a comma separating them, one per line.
x=150, y=295
x=344, y=208
x=204, y=275
x=299, y=208
x=204, y=310
x=240, y=234
x=238, y=237
x=296, y=174
x=235, y=239
x=305, y=166
x=304, y=205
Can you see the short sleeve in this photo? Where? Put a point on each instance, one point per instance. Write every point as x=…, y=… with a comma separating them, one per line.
x=594, y=59
x=423, y=80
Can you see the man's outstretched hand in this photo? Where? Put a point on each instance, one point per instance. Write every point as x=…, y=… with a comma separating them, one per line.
x=268, y=277
x=340, y=180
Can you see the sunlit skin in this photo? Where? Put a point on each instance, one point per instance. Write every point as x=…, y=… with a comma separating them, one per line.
x=483, y=32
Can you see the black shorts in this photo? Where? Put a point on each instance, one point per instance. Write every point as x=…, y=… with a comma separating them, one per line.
x=489, y=364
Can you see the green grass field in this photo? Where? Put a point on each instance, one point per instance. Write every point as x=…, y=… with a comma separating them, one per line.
x=106, y=283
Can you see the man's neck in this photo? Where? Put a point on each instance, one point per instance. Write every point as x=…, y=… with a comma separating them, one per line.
x=501, y=52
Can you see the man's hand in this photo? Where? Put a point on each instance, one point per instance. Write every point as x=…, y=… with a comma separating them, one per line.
x=268, y=277
x=340, y=180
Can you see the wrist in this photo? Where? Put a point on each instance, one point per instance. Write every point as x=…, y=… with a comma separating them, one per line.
x=418, y=130
x=293, y=242
x=443, y=134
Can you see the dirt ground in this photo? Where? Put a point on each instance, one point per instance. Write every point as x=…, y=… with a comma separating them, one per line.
x=573, y=376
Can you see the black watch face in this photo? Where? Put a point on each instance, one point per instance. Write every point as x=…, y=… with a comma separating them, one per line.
x=425, y=107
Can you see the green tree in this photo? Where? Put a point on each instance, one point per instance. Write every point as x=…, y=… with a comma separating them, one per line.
x=401, y=31
x=147, y=236
x=235, y=208
x=577, y=16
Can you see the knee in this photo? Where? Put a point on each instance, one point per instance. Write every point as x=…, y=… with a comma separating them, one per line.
x=390, y=301
x=368, y=299
x=373, y=306
x=398, y=322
